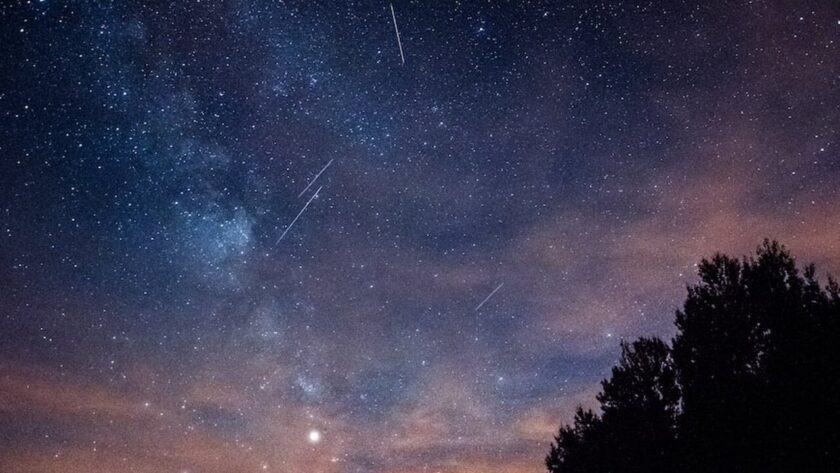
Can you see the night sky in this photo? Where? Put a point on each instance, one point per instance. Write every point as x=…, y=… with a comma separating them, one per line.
x=159, y=314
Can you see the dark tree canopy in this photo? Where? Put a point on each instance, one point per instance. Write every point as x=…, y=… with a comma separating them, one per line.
x=751, y=381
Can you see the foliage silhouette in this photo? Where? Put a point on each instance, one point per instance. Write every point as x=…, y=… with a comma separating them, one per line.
x=751, y=381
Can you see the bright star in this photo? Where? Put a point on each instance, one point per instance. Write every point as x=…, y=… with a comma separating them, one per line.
x=314, y=436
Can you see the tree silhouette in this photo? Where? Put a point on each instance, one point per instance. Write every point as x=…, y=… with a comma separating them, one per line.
x=636, y=431
x=577, y=447
x=751, y=383
x=639, y=407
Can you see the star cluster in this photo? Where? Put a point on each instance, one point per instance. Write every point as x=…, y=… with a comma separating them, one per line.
x=244, y=236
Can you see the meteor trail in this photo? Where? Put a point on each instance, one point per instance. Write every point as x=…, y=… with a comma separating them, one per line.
x=488, y=297
x=315, y=178
x=300, y=213
x=397, y=30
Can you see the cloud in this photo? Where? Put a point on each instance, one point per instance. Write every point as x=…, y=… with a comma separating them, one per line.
x=40, y=392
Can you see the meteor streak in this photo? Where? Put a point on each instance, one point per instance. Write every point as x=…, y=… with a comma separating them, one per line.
x=315, y=178
x=397, y=30
x=488, y=297
x=300, y=213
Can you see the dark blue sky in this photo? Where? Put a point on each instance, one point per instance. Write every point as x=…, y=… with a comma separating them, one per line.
x=582, y=155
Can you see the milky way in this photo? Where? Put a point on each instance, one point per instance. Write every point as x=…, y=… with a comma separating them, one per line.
x=573, y=161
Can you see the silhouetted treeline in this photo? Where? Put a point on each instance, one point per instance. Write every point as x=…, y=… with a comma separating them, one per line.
x=750, y=383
